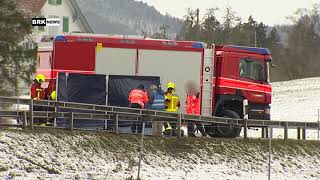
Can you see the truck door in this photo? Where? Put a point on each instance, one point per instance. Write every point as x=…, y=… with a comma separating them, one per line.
x=251, y=78
x=115, y=61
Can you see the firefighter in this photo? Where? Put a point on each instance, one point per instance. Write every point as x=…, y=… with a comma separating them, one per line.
x=193, y=107
x=172, y=104
x=51, y=87
x=137, y=99
x=156, y=101
x=37, y=93
x=157, y=98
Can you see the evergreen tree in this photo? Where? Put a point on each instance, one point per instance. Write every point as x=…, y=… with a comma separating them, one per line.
x=17, y=61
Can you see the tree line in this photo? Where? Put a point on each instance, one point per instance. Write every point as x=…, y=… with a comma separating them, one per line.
x=297, y=56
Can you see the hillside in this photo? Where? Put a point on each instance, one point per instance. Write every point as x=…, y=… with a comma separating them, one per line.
x=126, y=17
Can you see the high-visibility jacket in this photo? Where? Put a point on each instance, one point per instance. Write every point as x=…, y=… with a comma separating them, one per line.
x=138, y=96
x=36, y=91
x=158, y=100
x=196, y=106
x=192, y=105
x=189, y=104
x=172, y=102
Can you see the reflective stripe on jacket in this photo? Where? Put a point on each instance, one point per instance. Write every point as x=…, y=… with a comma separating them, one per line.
x=138, y=96
x=158, y=100
x=173, y=104
x=36, y=91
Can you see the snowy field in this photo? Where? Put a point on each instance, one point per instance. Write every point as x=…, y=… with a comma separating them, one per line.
x=296, y=100
x=59, y=154
x=90, y=155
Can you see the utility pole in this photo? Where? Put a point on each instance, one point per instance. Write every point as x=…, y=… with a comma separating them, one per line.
x=255, y=38
x=269, y=164
x=318, y=124
x=197, y=24
x=141, y=149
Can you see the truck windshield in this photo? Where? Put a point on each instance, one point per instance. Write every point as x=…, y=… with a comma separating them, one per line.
x=252, y=69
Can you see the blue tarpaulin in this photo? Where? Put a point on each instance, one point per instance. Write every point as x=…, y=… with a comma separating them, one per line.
x=82, y=88
x=91, y=89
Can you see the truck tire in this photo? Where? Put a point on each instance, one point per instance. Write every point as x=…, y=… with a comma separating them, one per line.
x=211, y=130
x=228, y=131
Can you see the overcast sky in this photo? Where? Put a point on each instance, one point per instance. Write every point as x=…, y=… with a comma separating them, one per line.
x=269, y=11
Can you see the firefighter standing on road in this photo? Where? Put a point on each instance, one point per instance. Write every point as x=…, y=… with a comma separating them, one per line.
x=137, y=99
x=38, y=93
x=172, y=104
x=193, y=107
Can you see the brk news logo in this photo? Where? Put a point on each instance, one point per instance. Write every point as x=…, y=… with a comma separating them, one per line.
x=46, y=21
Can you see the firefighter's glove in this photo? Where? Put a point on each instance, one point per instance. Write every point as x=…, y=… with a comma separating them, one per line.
x=167, y=100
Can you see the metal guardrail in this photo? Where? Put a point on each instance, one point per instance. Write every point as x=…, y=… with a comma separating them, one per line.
x=101, y=112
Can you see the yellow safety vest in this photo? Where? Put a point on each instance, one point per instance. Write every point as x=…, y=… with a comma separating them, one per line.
x=172, y=106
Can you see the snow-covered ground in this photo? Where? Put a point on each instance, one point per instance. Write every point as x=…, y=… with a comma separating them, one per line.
x=296, y=100
x=64, y=155
x=60, y=154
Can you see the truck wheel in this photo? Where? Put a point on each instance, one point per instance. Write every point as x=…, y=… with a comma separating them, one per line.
x=228, y=131
x=211, y=131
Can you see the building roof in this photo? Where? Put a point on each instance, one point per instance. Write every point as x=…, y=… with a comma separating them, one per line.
x=30, y=7
x=81, y=17
x=33, y=8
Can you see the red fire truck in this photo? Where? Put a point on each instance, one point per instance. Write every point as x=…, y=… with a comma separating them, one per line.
x=225, y=75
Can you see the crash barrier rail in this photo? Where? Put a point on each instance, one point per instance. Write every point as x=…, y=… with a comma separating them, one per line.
x=129, y=114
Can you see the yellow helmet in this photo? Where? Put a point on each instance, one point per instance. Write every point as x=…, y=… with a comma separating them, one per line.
x=171, y=85
x=40, y=78
x=53, y=95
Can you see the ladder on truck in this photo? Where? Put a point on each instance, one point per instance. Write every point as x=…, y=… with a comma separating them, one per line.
x=207, y=88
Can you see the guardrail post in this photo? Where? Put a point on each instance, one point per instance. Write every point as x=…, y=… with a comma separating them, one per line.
x=31, y=113
x=245, y=108
x=141, y=148
x=180, y=125
x=25, y=121
x=245, y=129
x=271, y=133
x=286, y=131
x=117, y=123
x=318, y=124
x=304, y=133
x=262, y=133
x=299, y=133
x=71, y=121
